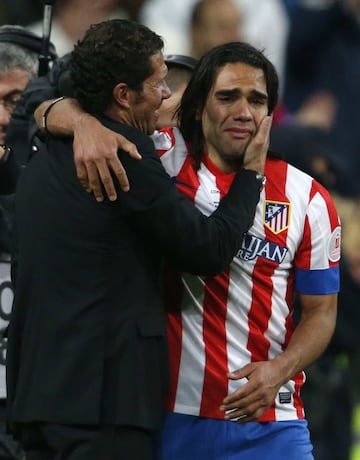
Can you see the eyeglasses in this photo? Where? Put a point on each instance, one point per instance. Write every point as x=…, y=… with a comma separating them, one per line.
x=10, y=101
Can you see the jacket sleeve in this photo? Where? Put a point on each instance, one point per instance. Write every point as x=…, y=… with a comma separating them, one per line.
x=169, y=222
x=9, y=173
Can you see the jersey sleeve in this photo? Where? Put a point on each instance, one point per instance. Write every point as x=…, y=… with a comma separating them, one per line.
x=318, y=256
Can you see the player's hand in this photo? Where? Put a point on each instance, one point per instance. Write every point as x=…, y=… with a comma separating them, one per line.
x=253, y=398
x=256, y=151
x=95, y=153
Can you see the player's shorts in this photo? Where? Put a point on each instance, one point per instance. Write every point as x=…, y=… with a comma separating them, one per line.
x=185, y=437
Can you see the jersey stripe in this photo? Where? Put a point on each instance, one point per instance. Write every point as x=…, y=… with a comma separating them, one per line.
x=216, y=365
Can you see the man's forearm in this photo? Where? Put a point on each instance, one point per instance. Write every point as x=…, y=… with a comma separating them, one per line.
x=61, y=118
x=311, y=336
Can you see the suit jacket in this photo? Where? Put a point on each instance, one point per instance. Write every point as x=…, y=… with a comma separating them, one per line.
x=9, y=173
x=87, y=337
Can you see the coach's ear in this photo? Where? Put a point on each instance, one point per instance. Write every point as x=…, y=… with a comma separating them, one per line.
x=122, y=95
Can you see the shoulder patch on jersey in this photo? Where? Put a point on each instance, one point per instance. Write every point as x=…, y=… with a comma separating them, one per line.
x=334, y=245
x=277, y=215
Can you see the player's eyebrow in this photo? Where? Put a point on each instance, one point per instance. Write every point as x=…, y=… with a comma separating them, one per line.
x=236, y=92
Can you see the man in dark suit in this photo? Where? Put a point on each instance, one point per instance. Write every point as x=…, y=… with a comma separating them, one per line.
x=87, y=356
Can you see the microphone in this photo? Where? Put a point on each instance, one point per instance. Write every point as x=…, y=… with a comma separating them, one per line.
x=44, y=56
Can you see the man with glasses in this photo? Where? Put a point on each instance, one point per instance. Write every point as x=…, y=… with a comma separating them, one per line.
x=19, y=50
x=18, y=64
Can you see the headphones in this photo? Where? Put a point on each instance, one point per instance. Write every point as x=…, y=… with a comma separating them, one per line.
x=18, y=35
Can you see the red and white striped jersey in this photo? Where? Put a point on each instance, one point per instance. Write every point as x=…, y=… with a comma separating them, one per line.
x=245, y=314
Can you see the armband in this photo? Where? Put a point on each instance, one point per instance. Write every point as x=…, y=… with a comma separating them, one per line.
x=47, y=111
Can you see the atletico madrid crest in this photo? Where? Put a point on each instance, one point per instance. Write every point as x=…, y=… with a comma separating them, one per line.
x=276, y=215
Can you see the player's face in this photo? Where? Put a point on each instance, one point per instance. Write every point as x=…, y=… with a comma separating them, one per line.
x=144, y=107
x=235, y=106
x=12, y=84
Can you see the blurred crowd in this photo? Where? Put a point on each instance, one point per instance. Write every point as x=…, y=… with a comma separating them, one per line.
x=315, y=47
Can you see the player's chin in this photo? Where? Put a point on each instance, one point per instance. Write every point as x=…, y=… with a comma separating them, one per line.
x=236, y=152
x=238, y=146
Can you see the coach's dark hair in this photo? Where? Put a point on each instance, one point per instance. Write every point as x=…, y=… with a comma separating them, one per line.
x=111, y=52
x=203, y=78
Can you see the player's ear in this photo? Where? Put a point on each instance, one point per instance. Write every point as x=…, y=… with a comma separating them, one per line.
x=198, y=115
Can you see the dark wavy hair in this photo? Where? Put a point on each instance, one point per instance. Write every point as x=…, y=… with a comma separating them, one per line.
x=111, y=52
x=203, y=78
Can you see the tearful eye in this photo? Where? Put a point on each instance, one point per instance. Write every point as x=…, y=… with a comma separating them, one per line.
x=225, y=98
